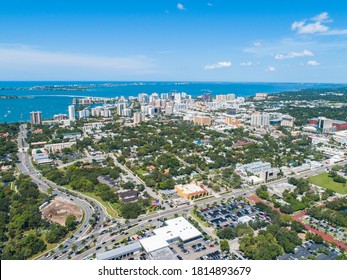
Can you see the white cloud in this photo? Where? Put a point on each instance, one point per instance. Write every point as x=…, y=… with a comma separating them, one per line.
x=313, y=28
x=313, y=63
x=221, y=64
x=321, y=17
x=181, y=7
x=257, y=44
x=270, y=69
x=316, y=26
x=209, y=4
x=294, y=55
x=247, y=64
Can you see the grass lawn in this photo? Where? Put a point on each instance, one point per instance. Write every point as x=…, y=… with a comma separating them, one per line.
x=110, y=208
x=200, y=221
x=327, y=182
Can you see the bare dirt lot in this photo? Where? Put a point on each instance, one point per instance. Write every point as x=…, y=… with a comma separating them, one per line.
x=59, y=209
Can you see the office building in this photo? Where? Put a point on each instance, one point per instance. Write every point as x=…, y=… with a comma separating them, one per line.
x=36, y=117
x=206, y=97
x=325, y=125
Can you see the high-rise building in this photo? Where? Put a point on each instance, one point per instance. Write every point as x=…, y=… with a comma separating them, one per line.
x=325, y=125
x=232, y=121
x=164, y=95
x=143, y=98
x=221, y=97
x=206, y=97
x=126, y=112
x=260, y=119
x=287, y=120
x=232, y=111
x=120, y=107
x=83, y=114
x=60, y=117
x=231, y=96
x=36, y=117
x=153, y=97
x=169, y=110
x=72, y=113
x=139, y=117
x=202, y=120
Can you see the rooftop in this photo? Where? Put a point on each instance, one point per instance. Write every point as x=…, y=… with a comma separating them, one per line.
x=118, y=252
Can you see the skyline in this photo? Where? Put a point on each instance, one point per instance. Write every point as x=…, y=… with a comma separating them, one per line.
x=219, y=41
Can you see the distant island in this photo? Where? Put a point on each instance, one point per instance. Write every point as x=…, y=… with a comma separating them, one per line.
x=13, y=96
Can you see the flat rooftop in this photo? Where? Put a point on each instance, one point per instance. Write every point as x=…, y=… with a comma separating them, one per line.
x=178, y=228
x=121, y=251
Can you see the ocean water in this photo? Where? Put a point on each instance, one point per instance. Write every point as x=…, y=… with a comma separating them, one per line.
x=54, y=102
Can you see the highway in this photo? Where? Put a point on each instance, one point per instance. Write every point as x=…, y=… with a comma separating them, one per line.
x=88, y=205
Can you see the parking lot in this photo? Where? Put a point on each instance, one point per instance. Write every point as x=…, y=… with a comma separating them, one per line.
x=193, y=250
x=324, y=226
x=231, y=213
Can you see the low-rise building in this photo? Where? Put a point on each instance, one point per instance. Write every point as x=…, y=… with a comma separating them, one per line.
x=178, y=229
x=121, y=252
x=191, y=190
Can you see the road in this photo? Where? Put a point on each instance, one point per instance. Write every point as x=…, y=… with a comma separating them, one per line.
x=88, y=205
x=134, y=177
x=105, y=240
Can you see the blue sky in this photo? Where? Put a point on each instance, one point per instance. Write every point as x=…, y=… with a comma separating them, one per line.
x=214, y=40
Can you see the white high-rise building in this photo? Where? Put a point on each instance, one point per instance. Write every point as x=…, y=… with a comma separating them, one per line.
x=139, y=117
x=126, y=112
x=177, y=97
x=72, y=113
x=169, y=110
x=164, y=95
x=260, y=119
x=36, y=117
x=120, y=107
x=143, y=98
x=231, y=96
x=83, y=114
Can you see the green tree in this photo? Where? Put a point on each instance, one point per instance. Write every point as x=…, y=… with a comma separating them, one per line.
x=224, y=245
x=70, y=222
